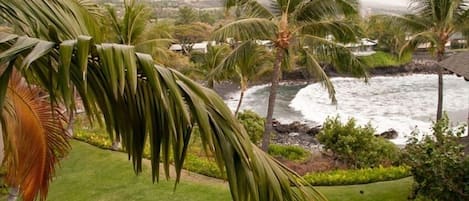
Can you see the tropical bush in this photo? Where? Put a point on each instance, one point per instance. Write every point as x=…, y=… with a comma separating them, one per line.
x=357, y=176
x=203, y=165
x=382, y=59
x=438, y=164
x=289, y=152
x=253, y=123
x=357, y=146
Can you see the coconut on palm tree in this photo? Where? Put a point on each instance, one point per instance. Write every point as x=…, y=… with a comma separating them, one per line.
x=433, y=23
x=317, y=28
x=58, y=46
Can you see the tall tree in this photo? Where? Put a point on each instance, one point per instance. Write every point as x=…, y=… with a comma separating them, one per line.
x=138, y=100
x=391, y=37
x=433, y=23
x=187, y=15
x=314, y=27
x=249, y=61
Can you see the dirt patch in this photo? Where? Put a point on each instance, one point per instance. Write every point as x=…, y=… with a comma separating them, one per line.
x=319, y=162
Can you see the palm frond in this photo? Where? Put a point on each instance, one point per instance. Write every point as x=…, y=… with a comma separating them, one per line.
x=342, y=30
x=338, y=55
x=317, y=10
x=254, y=9
x=164, y=107
x=316, y=70
x=36, y=18
x=35, y=136
x=427, y=37
x=247, y=29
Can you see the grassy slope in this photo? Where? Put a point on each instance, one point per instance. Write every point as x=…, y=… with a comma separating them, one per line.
x=93, y=174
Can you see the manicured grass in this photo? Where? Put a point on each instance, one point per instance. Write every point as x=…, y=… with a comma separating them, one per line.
x=397, y=190
x=89, y=173
x=92, y=174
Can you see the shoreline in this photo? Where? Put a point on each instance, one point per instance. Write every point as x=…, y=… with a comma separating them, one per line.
x=225, y=88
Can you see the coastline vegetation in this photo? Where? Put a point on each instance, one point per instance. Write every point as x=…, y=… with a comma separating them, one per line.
x=126, y=58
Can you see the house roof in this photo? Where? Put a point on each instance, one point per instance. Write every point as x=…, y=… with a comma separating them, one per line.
x=458, y=64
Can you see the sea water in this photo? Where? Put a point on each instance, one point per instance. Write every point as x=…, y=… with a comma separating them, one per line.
x=403, y=103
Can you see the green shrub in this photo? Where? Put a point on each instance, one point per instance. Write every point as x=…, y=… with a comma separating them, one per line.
x=357, y=176
x=439, y=166
x=289, y=152
x=253, y=123
x=382, y=59
x=203, y=166
x=356, y=146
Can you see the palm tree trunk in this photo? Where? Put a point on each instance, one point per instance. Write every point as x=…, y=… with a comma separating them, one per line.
x=272, y=96
x=439, y=109
x=13, y=193
x=240, y=101
x=210, y=84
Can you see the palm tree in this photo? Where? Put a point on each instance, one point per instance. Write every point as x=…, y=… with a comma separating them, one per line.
x=313, y=27
x=434, y=22
x=207, y=63
x=61, y=48
x=134, y=28
x=249, y=61
x=29, y=122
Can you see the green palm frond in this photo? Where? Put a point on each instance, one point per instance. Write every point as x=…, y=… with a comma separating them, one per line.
x=37, y=18
x=316, y=10
x=315, y=69
x=336, y=54
x=254, y=9
x=163, y=106
x=342, y=30
x=427, y=37
x=247, y=29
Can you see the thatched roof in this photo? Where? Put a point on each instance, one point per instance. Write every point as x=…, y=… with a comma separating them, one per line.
x=458, y=64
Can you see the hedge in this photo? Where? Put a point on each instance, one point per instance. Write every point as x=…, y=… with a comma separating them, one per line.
x=357, y=176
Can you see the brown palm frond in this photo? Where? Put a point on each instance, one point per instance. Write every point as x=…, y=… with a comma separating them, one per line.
x=35, y=137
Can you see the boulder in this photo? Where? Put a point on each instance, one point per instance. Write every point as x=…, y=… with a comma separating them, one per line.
x=389, y=134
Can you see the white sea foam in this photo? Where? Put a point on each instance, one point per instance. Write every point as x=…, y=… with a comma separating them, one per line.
x=403, y=103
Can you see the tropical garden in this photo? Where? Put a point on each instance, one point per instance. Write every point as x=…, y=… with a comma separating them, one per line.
x=108, y=75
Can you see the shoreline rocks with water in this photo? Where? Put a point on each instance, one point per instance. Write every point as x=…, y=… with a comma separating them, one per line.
x=304, y=134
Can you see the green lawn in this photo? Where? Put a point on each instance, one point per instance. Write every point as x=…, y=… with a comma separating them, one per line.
x=94, y=174
x=397, y=190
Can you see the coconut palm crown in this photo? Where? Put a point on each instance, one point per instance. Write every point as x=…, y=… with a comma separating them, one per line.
x=58, y=46
x=317, y=29
x=433, y=23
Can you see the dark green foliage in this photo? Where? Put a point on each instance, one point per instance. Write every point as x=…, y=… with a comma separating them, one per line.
x=253, y=123
x=439, y=166
x=356, y=146
x=289, y=152
x=359, y=176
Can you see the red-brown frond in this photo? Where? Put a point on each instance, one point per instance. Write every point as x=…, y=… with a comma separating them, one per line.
x=37, y=138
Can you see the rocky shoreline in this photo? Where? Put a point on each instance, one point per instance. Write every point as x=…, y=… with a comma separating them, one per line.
x=304, y=134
